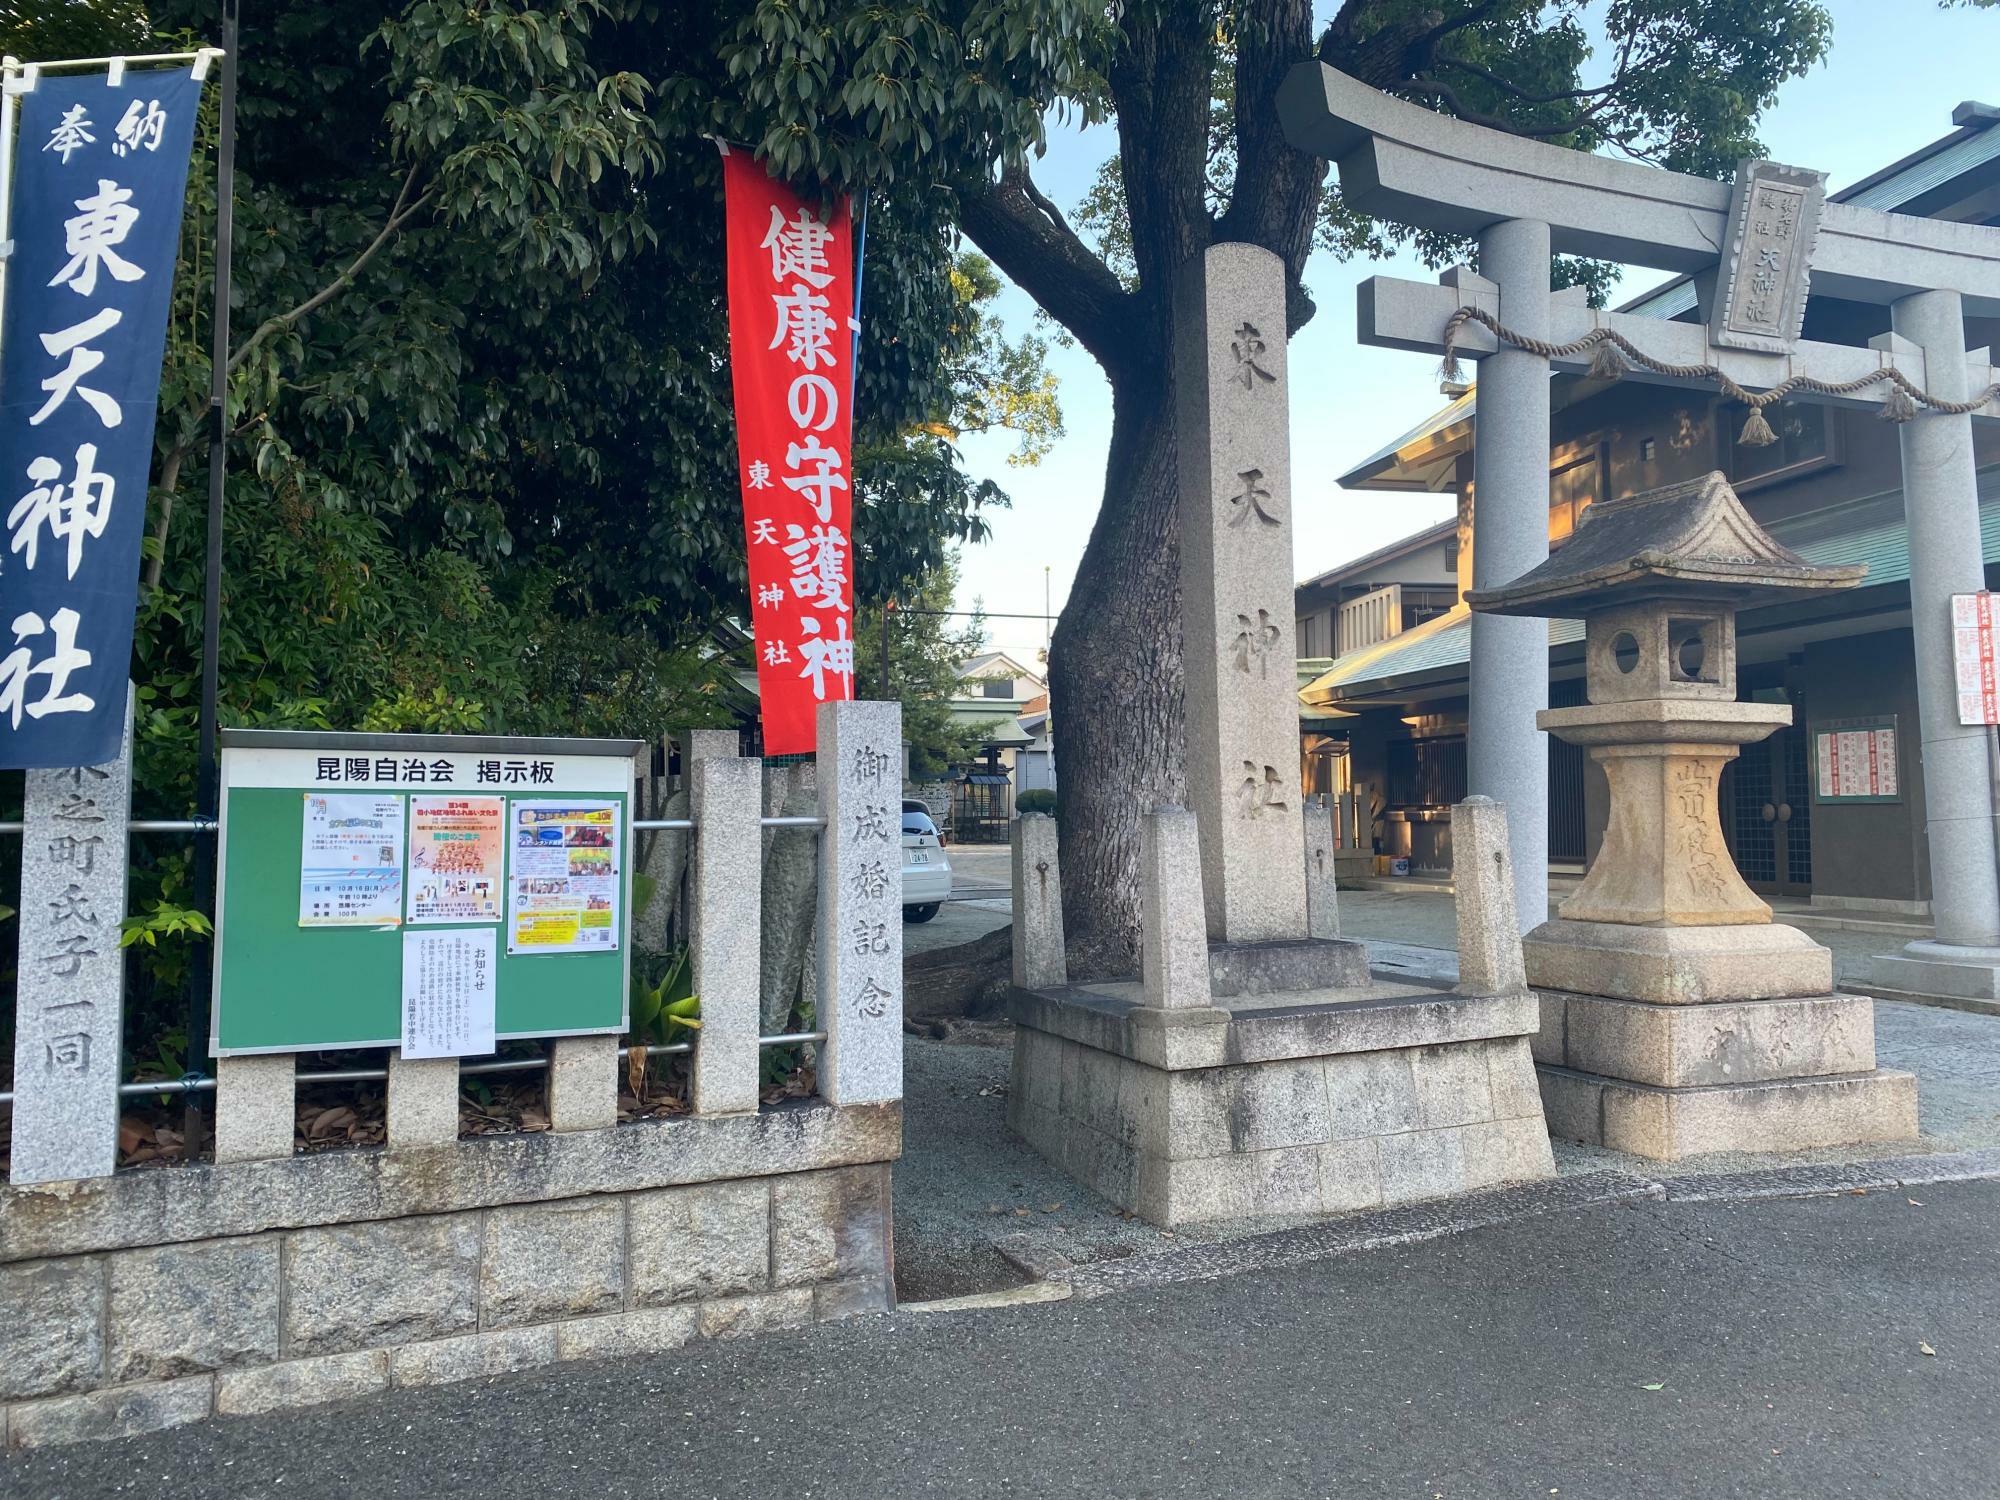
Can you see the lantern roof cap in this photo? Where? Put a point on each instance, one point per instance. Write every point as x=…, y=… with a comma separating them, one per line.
x=1692, y=541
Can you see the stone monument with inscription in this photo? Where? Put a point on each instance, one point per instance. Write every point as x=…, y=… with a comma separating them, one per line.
x=1677, y=1018
x=1254, y=1066
x=70, y=1013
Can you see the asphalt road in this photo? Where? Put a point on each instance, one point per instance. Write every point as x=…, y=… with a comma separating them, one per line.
x=1756, y=1350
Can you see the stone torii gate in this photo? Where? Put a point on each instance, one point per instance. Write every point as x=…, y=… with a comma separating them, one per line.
x=1750, y=248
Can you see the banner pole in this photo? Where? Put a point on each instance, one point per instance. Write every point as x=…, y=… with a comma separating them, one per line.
x=206, y=792
x=10, y=107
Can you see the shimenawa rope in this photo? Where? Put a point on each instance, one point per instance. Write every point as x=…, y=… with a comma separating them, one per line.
x=1606, y=363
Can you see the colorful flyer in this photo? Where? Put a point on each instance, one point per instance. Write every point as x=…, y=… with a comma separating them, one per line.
x=351, y=861
x=564, y=888
x=458, y=852
x=448, y=993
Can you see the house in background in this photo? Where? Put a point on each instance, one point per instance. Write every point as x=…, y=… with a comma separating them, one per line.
x=1359, y=604
x=1009, y=704
x=1829, y=489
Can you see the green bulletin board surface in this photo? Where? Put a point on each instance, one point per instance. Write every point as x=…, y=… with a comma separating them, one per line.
x=281, y=987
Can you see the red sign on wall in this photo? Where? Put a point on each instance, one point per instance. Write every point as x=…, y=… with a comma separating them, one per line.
x=791, y=352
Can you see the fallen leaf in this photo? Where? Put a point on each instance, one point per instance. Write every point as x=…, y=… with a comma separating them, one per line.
x=1020, y=1213
x=1857, y=1192
x=1657, y=1385
x=1913, y=1203
x=329, y=1121
x=1050, y=1208
x=1923, y=1348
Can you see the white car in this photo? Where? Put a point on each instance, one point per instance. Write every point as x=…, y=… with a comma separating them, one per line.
x=926, y=870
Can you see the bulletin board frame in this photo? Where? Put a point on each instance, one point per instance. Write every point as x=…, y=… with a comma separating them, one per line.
x=283, y=987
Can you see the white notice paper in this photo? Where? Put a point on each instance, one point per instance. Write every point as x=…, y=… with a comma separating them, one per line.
x=448, y=992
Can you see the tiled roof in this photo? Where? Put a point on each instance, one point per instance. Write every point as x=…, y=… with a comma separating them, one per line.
x=1870, y=531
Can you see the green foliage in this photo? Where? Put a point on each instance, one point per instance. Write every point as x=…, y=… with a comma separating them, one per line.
x=667, y=1010
x=926, y=648
x=481, y=466
x=1037, y=799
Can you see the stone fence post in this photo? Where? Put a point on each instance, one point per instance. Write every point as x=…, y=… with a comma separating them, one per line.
x=728, y=930
x=860, y=995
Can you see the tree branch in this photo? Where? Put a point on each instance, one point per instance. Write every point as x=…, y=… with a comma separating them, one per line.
x=1457, y=105
x=1015, y=224
x=399, y=214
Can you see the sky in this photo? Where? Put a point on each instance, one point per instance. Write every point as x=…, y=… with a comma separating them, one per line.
x=1896, y=70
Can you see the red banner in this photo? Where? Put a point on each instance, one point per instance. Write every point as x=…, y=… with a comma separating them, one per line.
x=791, y=354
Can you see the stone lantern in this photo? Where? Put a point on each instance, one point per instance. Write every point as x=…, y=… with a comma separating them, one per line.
x=1677, y=1017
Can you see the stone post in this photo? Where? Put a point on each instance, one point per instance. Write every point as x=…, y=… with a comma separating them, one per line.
x=1489, y=935
x=1236, y=591
x=1040, y=961
x=1506, y=755
x=1322, y=890
x=1941, y=504
x=256, y=1106
x=860, y=965
x=583, y=1083
x=728, y=799
x=423, y=1100
x=70, y=996
x=1173, y=958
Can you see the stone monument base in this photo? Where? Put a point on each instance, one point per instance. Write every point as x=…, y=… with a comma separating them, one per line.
x=1668, y=1081
x=1304, y=1101
x=1677, y=965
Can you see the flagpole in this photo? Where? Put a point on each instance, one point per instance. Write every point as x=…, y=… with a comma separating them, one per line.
x=206, y=790
x=10, y=104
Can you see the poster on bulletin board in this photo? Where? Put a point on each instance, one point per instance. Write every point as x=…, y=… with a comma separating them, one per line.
x=441, y=893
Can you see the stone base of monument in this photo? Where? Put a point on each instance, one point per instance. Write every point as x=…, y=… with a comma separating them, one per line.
x=1285, y=1102
x=1677, y=965
x=1232, y=1080
x=1787, y=1114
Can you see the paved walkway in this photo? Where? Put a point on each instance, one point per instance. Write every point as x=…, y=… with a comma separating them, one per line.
x=1833, y=1347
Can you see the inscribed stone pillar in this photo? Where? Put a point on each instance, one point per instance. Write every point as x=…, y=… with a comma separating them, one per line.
x=1941, y=503
x=1173, y=959
x=1039, y=958
x=1506, y=755
x=728, y=799
x=1236, y=591
x=860, y=965
x=70, y=997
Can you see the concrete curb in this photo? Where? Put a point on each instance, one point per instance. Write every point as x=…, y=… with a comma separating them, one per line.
x=1839, y=1177
x=1409, y=1224
x=1416, y=1222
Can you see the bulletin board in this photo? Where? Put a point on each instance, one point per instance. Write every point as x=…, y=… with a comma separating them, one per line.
x=284, y=984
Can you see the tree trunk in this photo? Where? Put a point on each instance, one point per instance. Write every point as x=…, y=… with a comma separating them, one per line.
x=1115, y=680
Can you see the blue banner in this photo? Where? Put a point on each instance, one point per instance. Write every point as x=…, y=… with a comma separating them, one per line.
x=99, y=174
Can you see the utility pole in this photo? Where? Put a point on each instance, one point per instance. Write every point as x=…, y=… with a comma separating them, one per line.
x=887, y=606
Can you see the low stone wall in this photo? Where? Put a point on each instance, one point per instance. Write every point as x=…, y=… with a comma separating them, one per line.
x=155, y=1298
